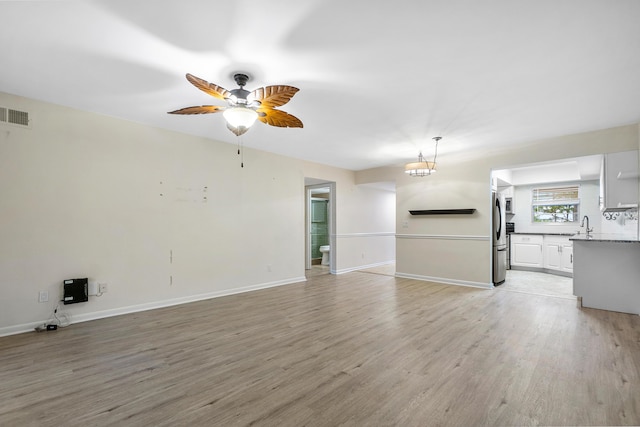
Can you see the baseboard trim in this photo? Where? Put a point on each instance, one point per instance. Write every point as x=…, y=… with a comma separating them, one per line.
x=78, y=318
x=542, y=270
x=446, y=281
x=442, y=237
x=362, y=267
x=381, y=234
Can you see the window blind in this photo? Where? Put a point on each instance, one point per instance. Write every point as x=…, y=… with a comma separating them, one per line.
x=556, y=196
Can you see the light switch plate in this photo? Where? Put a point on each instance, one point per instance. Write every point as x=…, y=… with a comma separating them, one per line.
x=43, y=296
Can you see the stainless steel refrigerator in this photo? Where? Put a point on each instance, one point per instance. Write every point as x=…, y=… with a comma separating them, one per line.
x=499, y=232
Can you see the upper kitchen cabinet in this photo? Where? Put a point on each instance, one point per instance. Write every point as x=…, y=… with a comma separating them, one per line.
x=619, y=181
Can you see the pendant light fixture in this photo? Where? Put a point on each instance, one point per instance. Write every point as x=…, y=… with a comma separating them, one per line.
x=423, y=167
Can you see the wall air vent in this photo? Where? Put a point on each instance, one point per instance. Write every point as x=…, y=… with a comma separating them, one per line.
x=14, y=117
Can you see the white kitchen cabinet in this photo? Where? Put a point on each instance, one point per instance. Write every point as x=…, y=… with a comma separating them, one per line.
x=552, y=255
x=558, y=253
x=506, y=191
x=619, y=180
x=566, y=263
x=526, y=250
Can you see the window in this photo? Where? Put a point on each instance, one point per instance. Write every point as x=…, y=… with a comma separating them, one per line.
x=555, y=205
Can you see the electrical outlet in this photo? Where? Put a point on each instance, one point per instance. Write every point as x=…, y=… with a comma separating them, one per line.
x=102, y=288
x=43, y=296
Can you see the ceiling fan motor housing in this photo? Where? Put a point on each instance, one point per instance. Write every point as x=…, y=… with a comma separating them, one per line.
x=241, y=79
x=240, y=95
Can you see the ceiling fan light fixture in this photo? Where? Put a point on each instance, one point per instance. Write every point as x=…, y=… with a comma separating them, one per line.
x=240, y=117
x=245, y=107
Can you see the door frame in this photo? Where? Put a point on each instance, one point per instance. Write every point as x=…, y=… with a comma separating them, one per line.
x=331, y=219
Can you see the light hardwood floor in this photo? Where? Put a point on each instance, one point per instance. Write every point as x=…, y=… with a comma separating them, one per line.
x=529, y=282
x=359, y=349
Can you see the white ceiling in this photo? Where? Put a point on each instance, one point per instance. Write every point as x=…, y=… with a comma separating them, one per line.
x=377, y=79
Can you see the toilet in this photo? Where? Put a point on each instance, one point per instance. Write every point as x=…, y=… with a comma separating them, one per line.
x=325, y=254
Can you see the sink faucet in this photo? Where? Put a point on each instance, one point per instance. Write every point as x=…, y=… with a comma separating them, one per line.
x=589, y=230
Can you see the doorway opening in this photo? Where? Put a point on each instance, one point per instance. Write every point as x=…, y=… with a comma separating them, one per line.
x=540, y=255
x=320, y=246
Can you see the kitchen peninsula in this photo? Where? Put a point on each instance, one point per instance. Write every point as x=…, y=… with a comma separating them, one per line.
x=606, y=271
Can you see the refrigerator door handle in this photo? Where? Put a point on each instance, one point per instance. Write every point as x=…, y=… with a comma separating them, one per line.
x=499, y=218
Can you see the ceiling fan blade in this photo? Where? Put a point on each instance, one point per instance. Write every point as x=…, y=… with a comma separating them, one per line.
x=209, y=88
x=278, y=118
x=238, y=131
x=274, y=96
x=203, y=109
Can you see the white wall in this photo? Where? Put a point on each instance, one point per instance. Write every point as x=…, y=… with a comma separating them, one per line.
x=444, y=248
x=364, y=209
x=588, y=192
x=85, y=195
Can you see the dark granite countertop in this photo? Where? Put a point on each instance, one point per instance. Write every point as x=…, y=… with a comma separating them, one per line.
x=605, y=237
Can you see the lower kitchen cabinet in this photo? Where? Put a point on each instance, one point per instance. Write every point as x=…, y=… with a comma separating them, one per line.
x=526, y=250
x=552, y=255
x=558, y=253
x=567, y=258
x=548, y=252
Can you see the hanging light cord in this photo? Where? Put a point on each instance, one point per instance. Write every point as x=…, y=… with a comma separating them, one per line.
x=435, y=156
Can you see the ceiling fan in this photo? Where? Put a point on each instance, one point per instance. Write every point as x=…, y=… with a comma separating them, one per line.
x=245, y=107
